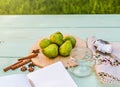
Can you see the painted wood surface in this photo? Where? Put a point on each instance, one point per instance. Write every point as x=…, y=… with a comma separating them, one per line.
x=19, y=33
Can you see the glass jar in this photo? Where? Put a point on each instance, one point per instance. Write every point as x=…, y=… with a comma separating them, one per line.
x=78, y=63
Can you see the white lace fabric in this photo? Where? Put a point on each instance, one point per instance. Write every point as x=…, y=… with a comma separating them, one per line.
x=107, y=67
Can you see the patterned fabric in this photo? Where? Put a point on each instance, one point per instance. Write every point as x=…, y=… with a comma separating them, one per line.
x=107, y=66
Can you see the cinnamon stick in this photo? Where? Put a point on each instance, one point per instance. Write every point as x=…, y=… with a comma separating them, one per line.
x=20, y=64
x=9, y=67
x=22, y=61
x=28, y=57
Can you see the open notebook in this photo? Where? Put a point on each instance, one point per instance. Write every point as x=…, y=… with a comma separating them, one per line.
x=54, y=75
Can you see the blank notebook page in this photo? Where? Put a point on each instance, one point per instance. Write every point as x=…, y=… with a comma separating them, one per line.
x=54, y=75
x=17, y=80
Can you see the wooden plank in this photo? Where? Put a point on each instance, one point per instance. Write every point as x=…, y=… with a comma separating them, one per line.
x=60, y=21
x=17, y=42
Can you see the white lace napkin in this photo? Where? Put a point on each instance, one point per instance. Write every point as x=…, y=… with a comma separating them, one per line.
x=107, y=67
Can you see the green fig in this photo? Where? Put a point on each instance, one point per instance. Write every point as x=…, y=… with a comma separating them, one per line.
x=57, y=38
x=44, y=43
x=72, y=39
x=65, y=48
x=51, y=51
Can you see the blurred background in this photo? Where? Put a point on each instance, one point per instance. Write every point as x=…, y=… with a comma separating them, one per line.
x=59, y=7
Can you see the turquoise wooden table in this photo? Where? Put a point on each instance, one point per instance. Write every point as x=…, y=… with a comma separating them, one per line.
x=19, y=33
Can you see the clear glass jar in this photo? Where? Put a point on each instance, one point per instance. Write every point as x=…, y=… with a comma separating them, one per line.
x=79, y=64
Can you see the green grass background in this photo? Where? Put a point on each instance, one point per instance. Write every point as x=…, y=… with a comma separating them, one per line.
x=59, y=6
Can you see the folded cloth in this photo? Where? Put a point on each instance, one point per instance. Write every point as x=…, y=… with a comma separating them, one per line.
x=107, y=66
